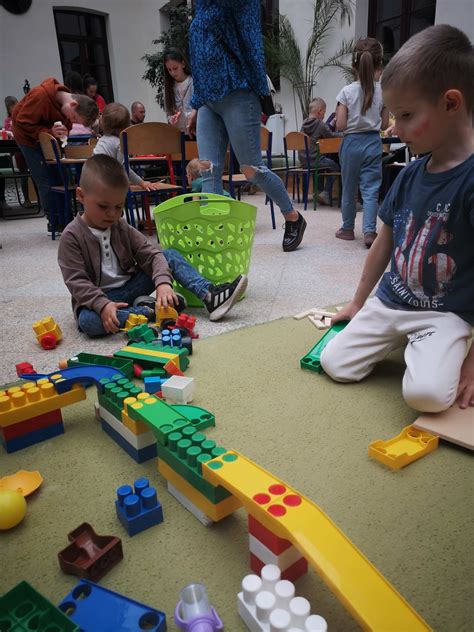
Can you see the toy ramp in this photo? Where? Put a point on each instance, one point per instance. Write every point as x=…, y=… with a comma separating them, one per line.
x=368, y=596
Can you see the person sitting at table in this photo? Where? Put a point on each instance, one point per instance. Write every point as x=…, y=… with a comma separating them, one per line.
x=10, y=103
x=115, y=118
x=90, y=89
x=138, y=113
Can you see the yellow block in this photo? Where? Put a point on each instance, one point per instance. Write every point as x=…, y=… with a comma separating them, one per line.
x=134, y=320
x=365, y=592
x=31, y=400
x=137, y=427
x=174, y=357
x=47, y=326
x=215, y=512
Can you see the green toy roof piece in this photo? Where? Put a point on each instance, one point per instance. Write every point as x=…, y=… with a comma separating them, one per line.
x=312, y=360
x=150, y=355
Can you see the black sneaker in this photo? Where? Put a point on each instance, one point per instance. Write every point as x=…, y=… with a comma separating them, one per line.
x=223, y=297
x=294, y=232
x=149, y=301
x=58, y=229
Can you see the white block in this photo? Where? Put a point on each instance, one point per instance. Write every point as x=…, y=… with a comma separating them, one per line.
x=319, y=324
x=300, y=609
x=283, y=561
x=327, y=321
x=315, y=623
x=251, y=586
x=187, y=504
x=279, y=620
x=137, y=441
x=178, y=390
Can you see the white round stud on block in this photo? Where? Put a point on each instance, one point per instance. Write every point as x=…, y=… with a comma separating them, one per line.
x=270, y=576
x=264, y=604
x=251, y=585
x=300, y=610
x=315, y=623
x=279, y=620
x=284, y=593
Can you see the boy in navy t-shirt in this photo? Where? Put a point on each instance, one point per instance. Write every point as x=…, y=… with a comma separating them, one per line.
x=426, y=299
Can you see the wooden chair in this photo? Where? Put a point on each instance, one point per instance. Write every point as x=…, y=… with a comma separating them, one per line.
x=295, y=142
x=58, y=172
x=237, y=181
x=159, y=139
x=327, y=146
x=78, y=151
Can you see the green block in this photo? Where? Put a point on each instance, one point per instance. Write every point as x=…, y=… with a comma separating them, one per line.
x=199, y=418
x=126, y=366
x=312, y=360
x=153, y=373
x=115, y=392
x=137, y=352
x=185, y=452
x=23, y=609
x=161, y=418
x=141, y=333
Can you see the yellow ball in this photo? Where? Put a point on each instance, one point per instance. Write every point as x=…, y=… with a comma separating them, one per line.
x=12, y=508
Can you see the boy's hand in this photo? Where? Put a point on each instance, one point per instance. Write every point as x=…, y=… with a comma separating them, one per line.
x=346, y=313
x=165, y=297
x=59, y=130
x=465, y=394
x=109, y=317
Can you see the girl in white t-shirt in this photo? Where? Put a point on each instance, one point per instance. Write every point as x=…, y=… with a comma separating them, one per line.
x=360, y=115
x=178, y=89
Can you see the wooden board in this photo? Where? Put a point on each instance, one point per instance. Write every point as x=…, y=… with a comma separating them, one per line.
x=455, y=425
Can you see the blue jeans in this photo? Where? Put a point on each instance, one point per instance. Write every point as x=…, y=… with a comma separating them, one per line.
x=236, y=118
x=39, y=172
x=361, y=165
x=324, y=161
x=141, y=284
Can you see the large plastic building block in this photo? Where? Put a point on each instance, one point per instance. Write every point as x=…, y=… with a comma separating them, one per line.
x=184, y=321
x=141, y=333
x=171, y=369
x=23, y=428
x=215, y=511
x=292, y=573
x=139, y=441
x=140, y=510
x=89, y=555
x=115, y=393
x=151, y=356
x=120, y=364
x=31, y=400
x=263, y=553
x=190, y=506
x=23, y=481
x=23, y=609
x=96, y=609
x=136, y=427
x=200, y=418
x=408, y=446
x=185, y=452
x=32, y=438
x=158, y=415
x=178, y=390
x=24, y=367
x=47, y=331
x=163, y=315
x=158, y=372
x=312, y=360
x=153, y=384
x=74, y=375
x=140, y=456
x=372, y=600
x=275, y=544
x=134, y=320
x=268, y=603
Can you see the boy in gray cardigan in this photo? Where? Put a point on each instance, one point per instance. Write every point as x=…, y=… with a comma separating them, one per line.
x=106, y=264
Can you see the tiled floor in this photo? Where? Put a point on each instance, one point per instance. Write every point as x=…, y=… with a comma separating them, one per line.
x=323, y=271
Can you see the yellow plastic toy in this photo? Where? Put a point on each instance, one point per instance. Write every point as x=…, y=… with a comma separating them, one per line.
x=23, y=481
x=134, y=320
x=48, y=333
x=411, y=444
x=165, y=313
x=12, y=509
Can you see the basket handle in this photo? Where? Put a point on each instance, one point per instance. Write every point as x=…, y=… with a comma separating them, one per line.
x=205, y=198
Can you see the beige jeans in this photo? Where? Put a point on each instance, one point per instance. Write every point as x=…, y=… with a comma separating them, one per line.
x=435, y=342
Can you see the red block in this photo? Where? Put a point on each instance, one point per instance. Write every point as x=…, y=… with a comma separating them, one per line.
x=23, y=428
x=268, y=538
x=24, y=367
x=292, y=573
x=171, y=368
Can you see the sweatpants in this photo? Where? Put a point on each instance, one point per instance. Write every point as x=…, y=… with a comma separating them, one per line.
x=435, y=349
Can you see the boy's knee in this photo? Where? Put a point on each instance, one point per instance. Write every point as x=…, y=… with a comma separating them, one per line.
x=337, y=370
x=428, y=398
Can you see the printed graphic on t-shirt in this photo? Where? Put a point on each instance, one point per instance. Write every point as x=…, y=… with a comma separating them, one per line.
x=424, y=272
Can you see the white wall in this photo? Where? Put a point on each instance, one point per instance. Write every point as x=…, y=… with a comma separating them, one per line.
x=29, y=48
x=458, y=13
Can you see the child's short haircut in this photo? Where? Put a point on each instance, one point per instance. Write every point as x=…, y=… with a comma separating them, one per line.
x=317, y=103
x=115, y=118
x=435, y=60
x=86, y=108
x=105, y=170
x=193, y=168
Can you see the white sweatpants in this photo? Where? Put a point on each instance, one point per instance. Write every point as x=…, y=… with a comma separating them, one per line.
x=435, y=349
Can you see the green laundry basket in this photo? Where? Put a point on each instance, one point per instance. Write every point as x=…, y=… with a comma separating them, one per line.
x=214, y=233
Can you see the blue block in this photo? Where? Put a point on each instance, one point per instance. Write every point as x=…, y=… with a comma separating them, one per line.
x=138, y=509
x=140, y=456
x=18, y=443
x=95, y=608
x=153, y=384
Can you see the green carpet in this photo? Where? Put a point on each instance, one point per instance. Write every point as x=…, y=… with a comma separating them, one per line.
x=414, y=525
